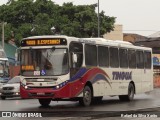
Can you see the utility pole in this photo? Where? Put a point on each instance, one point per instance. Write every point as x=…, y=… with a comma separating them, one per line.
x=98, y=21
x=3, y=34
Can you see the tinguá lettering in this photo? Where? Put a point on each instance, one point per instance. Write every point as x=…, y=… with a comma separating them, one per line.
x=122, y=75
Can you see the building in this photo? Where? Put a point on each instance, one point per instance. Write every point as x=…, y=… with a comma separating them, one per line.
x=10, y=50
x=116, y=34
x=131, y=37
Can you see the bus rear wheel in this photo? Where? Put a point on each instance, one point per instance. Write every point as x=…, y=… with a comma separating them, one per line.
x=87, y=96
x=130, y=95
x=44, y=102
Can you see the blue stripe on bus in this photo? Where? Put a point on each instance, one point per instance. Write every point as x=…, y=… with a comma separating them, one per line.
x=79, y=74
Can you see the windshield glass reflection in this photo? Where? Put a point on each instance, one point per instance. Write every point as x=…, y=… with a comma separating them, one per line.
x=53, y=61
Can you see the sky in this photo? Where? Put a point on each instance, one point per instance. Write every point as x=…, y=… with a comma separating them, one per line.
x=137, y=16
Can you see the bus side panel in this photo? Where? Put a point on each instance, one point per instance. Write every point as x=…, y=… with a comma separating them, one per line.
x=99, y=80
x=101, y=88
x=76, y=88
x=147, y=80
x=120, y=79
x=137, y=79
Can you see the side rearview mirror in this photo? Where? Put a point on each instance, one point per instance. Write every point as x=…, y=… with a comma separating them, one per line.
x=74, y=58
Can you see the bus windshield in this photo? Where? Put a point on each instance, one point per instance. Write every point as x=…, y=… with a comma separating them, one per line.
x=44, y=62
x=3, y=68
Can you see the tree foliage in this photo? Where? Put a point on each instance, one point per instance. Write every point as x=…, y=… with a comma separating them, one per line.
x=35, y=17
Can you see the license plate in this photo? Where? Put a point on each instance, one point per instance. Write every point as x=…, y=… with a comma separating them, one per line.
x=6, y=91
x=40, y=93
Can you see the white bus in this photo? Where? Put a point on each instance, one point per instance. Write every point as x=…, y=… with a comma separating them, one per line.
x=4, y=68
x=84, y=69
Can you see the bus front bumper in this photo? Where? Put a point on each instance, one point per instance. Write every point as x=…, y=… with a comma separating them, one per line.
x=43, y=93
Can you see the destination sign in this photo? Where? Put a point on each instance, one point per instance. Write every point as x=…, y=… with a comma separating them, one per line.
x=42, y=42
x=27, y=67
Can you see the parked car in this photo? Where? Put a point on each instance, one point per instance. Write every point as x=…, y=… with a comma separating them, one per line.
x=2, y=82
x=11, y=88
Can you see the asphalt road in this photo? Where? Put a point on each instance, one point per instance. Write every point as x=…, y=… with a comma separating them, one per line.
x=110, y=107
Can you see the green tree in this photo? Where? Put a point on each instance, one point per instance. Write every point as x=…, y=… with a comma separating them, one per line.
x=82, y=20
x=35, y=17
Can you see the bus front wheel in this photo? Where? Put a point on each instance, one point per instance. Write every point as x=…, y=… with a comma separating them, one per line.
x=44, y=102
x=130, y=95
x=87, y=96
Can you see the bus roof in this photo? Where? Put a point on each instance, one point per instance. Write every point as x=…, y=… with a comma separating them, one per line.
x=97, y=41
x=116, y=43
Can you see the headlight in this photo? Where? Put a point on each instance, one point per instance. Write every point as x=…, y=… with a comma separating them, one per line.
x=57, y=86
x=26, y=87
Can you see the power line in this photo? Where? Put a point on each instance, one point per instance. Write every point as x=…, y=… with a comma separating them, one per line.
x=139, y=30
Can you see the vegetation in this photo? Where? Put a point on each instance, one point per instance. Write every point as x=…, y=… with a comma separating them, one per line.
x=36, y=17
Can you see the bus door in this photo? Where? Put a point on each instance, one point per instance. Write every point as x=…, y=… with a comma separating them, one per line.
x=76, y=60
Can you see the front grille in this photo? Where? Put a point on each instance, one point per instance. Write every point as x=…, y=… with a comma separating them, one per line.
x=8, y=93
x=8, y=88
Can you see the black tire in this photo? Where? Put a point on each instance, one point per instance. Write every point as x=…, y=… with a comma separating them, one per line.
x=3, y=97
x=122, y=97
x=130, y=95
x=87, y=96
x=44, y=102
x=97, y=100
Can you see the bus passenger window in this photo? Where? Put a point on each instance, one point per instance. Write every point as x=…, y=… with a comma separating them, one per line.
x=147, y=59
x=91, y=55
x=140, y=59
x=123, y=57
x=103, y=56
x=114, y=59
x=132, y=58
